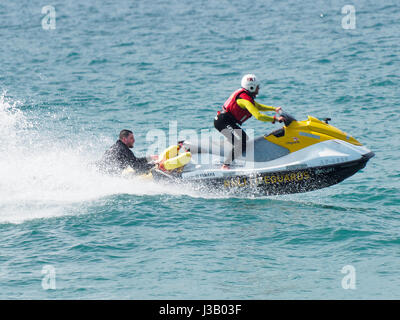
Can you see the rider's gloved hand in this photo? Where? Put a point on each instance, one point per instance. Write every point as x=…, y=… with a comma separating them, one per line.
x=280, y=119
x=279, y=111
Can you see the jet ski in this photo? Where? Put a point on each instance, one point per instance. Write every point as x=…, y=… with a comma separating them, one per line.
x=299, y=157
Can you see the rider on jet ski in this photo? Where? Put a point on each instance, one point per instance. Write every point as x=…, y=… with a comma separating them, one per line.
x=239, y=107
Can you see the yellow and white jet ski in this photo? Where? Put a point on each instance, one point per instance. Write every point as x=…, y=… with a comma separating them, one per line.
x=301, y=156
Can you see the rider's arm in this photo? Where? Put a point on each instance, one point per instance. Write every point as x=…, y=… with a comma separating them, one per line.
x=263, y=107
x=246, y=104
x=139, y=164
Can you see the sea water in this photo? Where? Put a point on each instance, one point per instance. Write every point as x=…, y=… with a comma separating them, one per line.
x=73, y=74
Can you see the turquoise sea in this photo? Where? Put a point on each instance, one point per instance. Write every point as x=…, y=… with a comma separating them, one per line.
x=69, y=85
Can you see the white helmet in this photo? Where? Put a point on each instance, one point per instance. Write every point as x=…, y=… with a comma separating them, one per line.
x=250, y=83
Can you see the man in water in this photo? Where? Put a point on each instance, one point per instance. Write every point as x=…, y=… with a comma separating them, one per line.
x=119, y=157
x=239, y=107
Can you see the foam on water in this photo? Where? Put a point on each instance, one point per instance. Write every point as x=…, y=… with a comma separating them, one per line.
x=35, y=173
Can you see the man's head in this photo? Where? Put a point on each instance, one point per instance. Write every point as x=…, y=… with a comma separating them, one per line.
x=127, y=138
x=251, y=84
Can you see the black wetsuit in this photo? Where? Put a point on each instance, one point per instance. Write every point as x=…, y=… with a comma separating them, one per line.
x=119, y=157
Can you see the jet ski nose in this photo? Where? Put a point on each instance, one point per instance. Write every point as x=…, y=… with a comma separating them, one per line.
x=368, y=155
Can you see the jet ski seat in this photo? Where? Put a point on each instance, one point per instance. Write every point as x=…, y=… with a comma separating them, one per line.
x=258, y=150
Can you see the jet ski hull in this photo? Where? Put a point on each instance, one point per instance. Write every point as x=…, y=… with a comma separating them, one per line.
x=273, y=183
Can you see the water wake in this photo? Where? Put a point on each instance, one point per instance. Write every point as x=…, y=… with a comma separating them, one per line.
x=40, y=177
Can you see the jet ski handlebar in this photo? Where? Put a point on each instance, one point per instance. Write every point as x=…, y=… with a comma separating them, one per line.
x=287, y=118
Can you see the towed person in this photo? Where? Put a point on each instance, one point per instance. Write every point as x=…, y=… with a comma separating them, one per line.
x=119, y=157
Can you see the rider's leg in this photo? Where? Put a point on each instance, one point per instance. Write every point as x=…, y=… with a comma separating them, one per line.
x=239, y=141
x=235, y=135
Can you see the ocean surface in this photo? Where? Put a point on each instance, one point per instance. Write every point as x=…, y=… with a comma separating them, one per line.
x=67, y=87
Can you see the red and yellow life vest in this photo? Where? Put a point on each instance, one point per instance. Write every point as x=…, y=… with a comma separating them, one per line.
x=231, y=106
